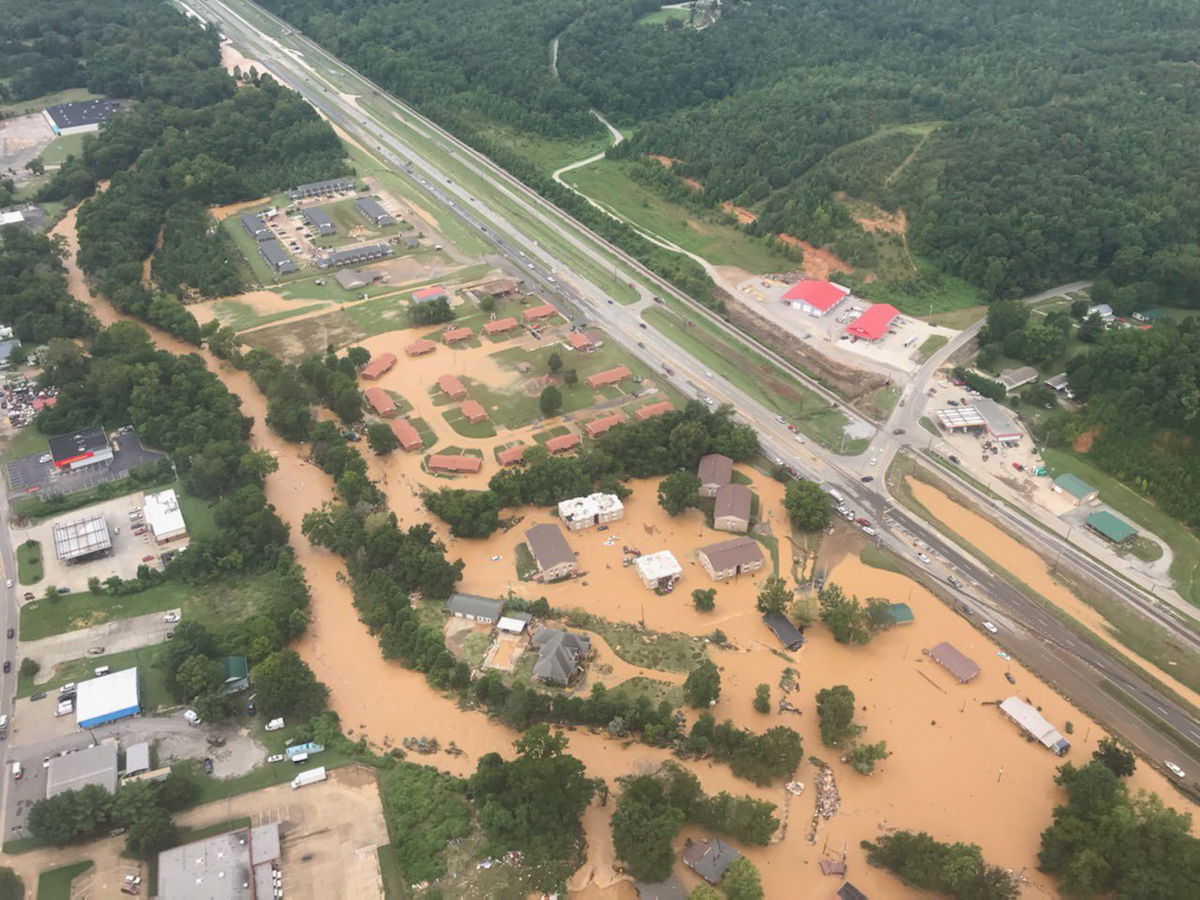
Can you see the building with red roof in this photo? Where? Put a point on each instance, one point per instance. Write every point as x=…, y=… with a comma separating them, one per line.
x=499, y=326
x=815, y=297
x=40, y=403
x=425, y=295
x=597, y=427
x=580, y=341
x=452, y=335
x=610, y=376
x=473, y=411
x=380, y=401
x=406, y=434
x=454, y=464
x=654, y=409
x=452, y=387
x=510, y=456
x=563, y=442
x=539, y=312
x=873, y=324
x=420, y=348
x=378, y=366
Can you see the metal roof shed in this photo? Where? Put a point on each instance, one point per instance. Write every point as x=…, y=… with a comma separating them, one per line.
x=107, y=698
x=1076, y=487
x=1110, y=527
x=137, y=758
x=91, y=765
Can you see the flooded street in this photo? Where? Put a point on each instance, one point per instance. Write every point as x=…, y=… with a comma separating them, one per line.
x=960, y=770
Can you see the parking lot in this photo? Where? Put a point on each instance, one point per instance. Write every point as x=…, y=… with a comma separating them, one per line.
x=30, y=474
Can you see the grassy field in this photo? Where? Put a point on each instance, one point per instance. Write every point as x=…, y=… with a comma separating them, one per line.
x=29, y=562
x=241, y=316
x=661, y=16
x=951, y=297
x=55, y=884
x=210, y=604
x=1184, y=544
x=878, y=558
x=609, y=183
x=346, y=218
x=458, y=422
x=62, y=147
x=650, y=649
x=547, y=154
x=37, y=104
x=25, y=442
x=153, y=692
x=958, y=319
x=931, y=345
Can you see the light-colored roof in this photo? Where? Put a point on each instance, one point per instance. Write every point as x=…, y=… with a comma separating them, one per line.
x=137, y=758
x=999, y=422
x=548, y=545
x=80, y=537
x=589, y=506
x=106, y=697
x=235, y=865
x=92, y=765
x=1058, y=382
x=1014, y=378
x=654, y=566
x=960, y=417
x=514, y=624
x=1032, y=722
x=163, y=514
x=1074, y=485
x=733, y=552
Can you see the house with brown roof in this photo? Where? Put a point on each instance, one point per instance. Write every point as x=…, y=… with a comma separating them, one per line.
x=473, y=411
x=580, y=341
x=454, y=464
x=563, y=443
x=615, y=375
x=551, y=553
x=498, y=287
x=510, y=456
x=406, y=433
x=728, y=559
x=715, y=471
x=731, y=510
x=378, y=366
x=653, y=410
x=453, y=335
x=420, y=347
x=539, y=312
x=597, y=427
x=954, y=661
x=499, y=326
x=381, y=402
x=452, y=387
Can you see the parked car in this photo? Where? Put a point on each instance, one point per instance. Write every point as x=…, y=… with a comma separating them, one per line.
x=208, y=765
x=149, y=558
x=275, y=725
x=171, y=617
x=867, y=479
x=192, y=717
x=12, y=633
x=95, y=651
x=7, y=666
x=953, y=458
x=897, y=431
x=64, y=590
x=9, y=583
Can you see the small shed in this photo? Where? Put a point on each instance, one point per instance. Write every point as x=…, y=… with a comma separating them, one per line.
x=514, y=623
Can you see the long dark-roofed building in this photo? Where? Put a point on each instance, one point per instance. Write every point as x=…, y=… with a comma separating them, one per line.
x=255, y=227
x=373, y=212
x=319, y=219
x=83, y=448
x=79, y=117
x=276, y=257
x=354, y=255
x=320, y=188
x=954, y=661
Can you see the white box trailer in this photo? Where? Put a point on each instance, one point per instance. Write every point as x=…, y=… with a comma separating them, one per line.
x=312, y=776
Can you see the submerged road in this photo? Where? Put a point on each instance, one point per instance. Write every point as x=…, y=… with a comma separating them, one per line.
x=406, y=141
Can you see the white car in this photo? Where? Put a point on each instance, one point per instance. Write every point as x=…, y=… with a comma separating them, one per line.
x=990, y=627
x=923, y=558
x=274, y=725
x=44, y=458
x=171, y=618
x=1175, y=770
x=8, y=583
x=868, y=530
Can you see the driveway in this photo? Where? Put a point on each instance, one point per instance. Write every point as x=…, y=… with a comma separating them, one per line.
x=115, y=637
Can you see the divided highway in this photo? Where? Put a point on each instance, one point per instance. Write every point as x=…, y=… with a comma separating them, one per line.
x=506, y=222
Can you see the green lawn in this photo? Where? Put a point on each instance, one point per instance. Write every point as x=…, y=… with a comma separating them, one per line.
x=240, y=316
x=662, y=16
x=931, y=345
x=886, y=399
x=873, y=556
x=55, y=884
x=26, y=442
x=1184, y=544
x=547, y=154
x=152, y=691
x=212, y=605
x=62, y=147
x=37, y=104
x=29, y=562
x=675, y=652
x=609, y=183
x=934, y=296
x=455, y=419
x=958, y=319
x=346, y=218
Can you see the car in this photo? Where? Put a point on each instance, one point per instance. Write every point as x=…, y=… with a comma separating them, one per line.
x=45, y=762
x=869, y=531
x=953, y=459
x=12, y=633
x=867, y=479
x=1009, y=676
x=208, y=765
x=952, y=402
x=192, y=717
x=37, y=695
x=897, y=431
x=7, y=666
x=8, y=583
x=799, y=438
x=1175, y=769
x=923, y=558
x=862, y=521
x=641, y=324
x=640, y=344
x=275, y=725
x=64, y=590
x=170, y=634
x=781, y=420
x=610, y=302
x=68, y=688
x=954, y=581
x=708, y=374
x=171, y=617
x=276, y=757
x=149, y=558
x=95, y=651
x=29, y=595
x=990, y=627
x=44, y=458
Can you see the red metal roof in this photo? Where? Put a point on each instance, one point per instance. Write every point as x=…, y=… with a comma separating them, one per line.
x=820, y=295
x=379, y=365
x=873, y=324
x=425, y=293
x=448, y=462
x=406, y=434
x=562, y=442
x=580, y=341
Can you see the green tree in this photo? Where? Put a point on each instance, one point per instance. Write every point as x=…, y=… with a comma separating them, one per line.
x=643, y=827
x=807, y=505
x=774, y=596
x=704, y=892
x=704, y=599
x=570, y=378
x=955, y=869
x=286, y=686
x=844, y=616
x=1120, y=761
x=431, y=312
x=29, y=667
x=550, y=401
x=470, y=514
x=1006, y=317
x=554, y=363
x=742, y=881
x=762, y=698
x=381, y=439
x=862, y=757
x=703, y=685
x=1080, y=307
x=835, y=714
x=12, y=886
x=487, y=304
x=199, y=675
x=678, y=491
x=425, y=811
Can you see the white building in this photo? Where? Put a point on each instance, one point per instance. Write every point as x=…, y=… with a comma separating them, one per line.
x=1035, y=725
x=107, y=698
x=1103, y=310
x=164, y=516
x=594, y=509
x=658, y=570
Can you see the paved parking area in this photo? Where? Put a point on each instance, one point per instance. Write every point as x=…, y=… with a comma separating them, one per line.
x=29, y=474
x=116, y=636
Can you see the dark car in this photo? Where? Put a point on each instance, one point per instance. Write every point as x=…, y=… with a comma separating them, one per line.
x=953, y=459
x=208, y=766
x=897, y=431
x=1009, y=676
x=37, y=695
x=7, y=666
x=867, y=479
x=641, y=324
x=12, y=633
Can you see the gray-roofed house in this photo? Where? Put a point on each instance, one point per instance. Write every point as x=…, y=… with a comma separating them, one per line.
x=560, y=655
x=1058, y=382
x=374, y=213
x=319, y=219
x=351, y=279
x=276, y=257
x=354, y=255
x=1015, y=378
x=470, y=606
x=709, y=859
x=319, y=188
x=731, y=510
x=551, y=553
x=255, y=227
x=92, y=765
x=955, y=662
x=137, y=758
x=735, y=556
x=781, y=626
x=669, y=889
x=849, y=892
x=715, y=471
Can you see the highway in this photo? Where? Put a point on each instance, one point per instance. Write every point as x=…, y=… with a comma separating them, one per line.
x=507, y=221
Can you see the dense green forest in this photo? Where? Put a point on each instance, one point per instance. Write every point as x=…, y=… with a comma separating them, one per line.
x=1052, y=135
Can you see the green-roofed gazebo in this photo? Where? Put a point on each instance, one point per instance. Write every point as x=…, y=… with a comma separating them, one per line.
x=901, y=613
x=237, y=674
x=1076, y=487
x=1110, y=527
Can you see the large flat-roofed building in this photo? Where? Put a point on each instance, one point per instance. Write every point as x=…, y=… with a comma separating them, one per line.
x=321, y=188
x=255, y=227
x=80, y=116
x=658, y=571
x=91, y=765
x=731, y=509
x=1035, y=725
x=715, y=471
x=83, y=448
x=164, y=516
x=998, y=422
x=238, y=865
x=81, y=539
x=727, y=559
x=551, y=553
x=953, y=661
x=373, y=212
x=815, y=298
x=960, y=418
x=107, y=698
x=320, y=221
x=353, y=255
x=276, y=257
x=594, y=509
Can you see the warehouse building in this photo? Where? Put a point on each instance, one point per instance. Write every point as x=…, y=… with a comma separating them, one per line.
x=594, y=509
x=715, y=471
x=1076, y=488
x=728, y=559
x=320, y=221
x=551, y=553
x=1110, y=527
x=949, y=658
x=75, y=771
x=79, y=117
x=79, y=540
x=658, y=571
x=83, y=448
x=255, y=227
x=815, y=298
x=321, y=188
x=374, y=213
x=873, y=324
x=352, y=256
x=731, y=509
x=353, y=279
x=999, y=423
x=1035, y=725
x=276, y=257
x=164, y=517
x=238, y=865
x=107, y=698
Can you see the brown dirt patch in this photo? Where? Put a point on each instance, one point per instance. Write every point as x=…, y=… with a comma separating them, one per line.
x=818, y=262
x=744, y=216
x=1084, y=442
x=692, y=184
x=666, y=162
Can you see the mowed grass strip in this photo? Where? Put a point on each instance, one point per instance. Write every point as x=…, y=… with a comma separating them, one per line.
x=55, y=884
x=152, y=680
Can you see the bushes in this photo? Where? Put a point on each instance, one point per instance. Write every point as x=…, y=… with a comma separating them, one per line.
x=955, y=869
x=425, y=811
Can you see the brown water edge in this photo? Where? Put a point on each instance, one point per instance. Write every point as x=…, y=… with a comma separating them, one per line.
x=970, y=768
x=1018, y=559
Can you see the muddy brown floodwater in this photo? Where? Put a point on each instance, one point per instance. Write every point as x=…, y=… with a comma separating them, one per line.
x=959, y=769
